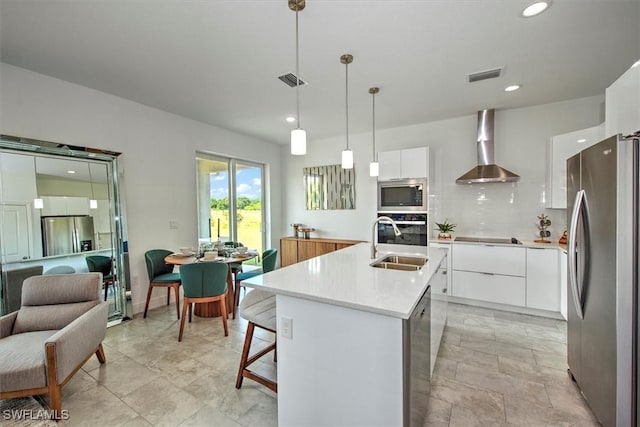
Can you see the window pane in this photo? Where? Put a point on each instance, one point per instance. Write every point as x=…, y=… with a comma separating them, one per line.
x=249, y=205
x=213, y=200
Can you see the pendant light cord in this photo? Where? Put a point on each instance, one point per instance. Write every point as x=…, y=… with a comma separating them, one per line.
x=297, y=76
x=374, y=126
x=346, y=74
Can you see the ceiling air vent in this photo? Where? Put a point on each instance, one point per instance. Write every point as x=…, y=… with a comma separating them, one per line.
x=483, y=75
x=290, y=80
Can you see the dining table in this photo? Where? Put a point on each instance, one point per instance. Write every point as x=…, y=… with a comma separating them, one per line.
x=212, y=309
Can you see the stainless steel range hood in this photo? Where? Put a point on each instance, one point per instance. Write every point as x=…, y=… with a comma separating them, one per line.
x=487, y=170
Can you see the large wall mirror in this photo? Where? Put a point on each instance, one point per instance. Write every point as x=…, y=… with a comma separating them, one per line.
x=329, y=187
x=60, y=214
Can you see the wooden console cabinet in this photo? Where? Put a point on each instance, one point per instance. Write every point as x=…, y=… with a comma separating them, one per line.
x=293, y=249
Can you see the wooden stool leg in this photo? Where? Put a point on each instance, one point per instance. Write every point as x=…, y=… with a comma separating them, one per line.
x=106, y=289
x=236, y=299
x=146, y=306
x=100, y=354
x=245, y=353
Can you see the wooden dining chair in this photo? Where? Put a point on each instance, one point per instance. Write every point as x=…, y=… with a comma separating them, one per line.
x=161, y=275
x=204, y=282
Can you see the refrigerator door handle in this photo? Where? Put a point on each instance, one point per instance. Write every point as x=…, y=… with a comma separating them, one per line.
x=571, y=252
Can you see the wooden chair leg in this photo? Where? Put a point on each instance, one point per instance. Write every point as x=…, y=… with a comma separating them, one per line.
x=177, y=291
x=106, y=289
x=236, y=299
x=245, y=353
x=185, y=303
x=190, y=311
x=100, y=354
x=168, y=295
x=224, y=314
x=146, y=306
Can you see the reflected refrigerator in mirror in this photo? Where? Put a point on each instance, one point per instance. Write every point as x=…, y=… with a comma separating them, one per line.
x=63, y=235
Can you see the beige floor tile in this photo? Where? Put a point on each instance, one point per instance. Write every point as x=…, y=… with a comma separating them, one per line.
x=451, y=338
x=466, y=355
x=123, y=376
x=209, y=416
x=485, y=405
x=96, y=407
x=551, y=360
x=502, y=383
x=163, y=404
x=497, y=348
x=532, y=372
x=521, y=412
x=445, y=367
x=438, y=412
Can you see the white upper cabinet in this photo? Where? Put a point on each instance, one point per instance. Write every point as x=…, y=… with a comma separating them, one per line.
x=18, y=178
x=401, y=164
x=561, y=147
x=622, y=105
x=54, y=206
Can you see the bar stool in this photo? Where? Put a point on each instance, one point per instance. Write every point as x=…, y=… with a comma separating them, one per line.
x=258, y=307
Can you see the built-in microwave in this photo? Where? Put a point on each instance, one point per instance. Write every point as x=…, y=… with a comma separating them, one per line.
x=403, y=195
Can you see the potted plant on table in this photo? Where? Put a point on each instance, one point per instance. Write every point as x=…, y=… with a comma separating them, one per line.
x=445, y=229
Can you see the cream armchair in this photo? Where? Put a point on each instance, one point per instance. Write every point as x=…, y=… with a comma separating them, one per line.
x=61, y=323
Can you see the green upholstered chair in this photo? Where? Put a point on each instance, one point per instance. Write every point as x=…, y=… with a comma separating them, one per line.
x=204, y=282
x=269, y=258
x=102, y=264
x=161, y=275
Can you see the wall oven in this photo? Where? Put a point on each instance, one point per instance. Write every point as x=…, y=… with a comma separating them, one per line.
x=406, y=195
x=413, y=227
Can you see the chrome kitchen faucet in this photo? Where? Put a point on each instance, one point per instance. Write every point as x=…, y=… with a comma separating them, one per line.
x=396, y=230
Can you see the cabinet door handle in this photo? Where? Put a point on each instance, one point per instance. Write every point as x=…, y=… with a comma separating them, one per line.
x=444, y=290
x=487, y=274
x=444, y=271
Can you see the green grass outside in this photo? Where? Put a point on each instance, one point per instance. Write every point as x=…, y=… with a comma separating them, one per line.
x=249, y=226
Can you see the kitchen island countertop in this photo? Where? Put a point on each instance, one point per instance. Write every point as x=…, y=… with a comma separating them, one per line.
x=345, y=278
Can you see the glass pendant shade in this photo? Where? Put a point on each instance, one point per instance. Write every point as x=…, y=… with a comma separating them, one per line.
x=347, y=159
x=374, y=170
x=298, y=142
x=38, y=203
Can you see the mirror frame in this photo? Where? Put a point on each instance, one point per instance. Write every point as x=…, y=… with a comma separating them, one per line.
x=110, y=159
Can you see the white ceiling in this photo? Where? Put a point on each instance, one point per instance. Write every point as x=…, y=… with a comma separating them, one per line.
x=217, y=61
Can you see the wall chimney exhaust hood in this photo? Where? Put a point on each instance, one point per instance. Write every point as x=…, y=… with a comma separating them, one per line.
x=487, y=170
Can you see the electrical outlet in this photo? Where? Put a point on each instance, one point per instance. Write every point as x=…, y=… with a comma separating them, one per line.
x=286, y=327
x=173, y=225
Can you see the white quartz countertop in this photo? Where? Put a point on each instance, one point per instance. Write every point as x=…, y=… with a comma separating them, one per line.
x=525, y=244
x=345, y=278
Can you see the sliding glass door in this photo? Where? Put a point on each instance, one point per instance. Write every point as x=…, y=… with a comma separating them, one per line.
x=230, y=201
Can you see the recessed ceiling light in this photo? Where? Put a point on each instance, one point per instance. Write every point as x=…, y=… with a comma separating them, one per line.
x=536, y=8
x=71, y=171
x=290, y=119
x=635, y=64
x=511, y=88
x=581, y=140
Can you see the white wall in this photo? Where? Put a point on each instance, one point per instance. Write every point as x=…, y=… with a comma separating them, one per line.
x=158, y=158
x=500, y=210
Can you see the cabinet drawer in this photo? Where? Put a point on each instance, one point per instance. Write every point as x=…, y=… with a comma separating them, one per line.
x=490, y=259
x=489, y=287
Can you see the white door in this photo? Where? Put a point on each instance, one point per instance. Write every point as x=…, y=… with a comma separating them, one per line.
x=16, y=233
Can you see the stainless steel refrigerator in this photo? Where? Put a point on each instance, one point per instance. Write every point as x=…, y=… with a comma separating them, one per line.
x=63, y=235
x=602, y=332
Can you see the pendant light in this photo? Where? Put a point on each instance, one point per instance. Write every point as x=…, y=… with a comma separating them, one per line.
x=298, y=135
x=347, y=154
x=38, y=203
x=374, y=169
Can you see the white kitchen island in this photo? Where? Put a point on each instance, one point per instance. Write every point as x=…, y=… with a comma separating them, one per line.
x=342, y=327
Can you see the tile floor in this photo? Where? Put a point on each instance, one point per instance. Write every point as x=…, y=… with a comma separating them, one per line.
x=494, y=368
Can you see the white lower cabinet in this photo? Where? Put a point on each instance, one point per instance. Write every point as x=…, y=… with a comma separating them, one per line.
x=489, y=287
x=518, y=276
x=563, y=284
x=543, y=279
x=439, y=297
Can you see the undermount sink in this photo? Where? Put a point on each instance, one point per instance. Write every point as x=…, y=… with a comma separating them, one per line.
x=401, y=262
